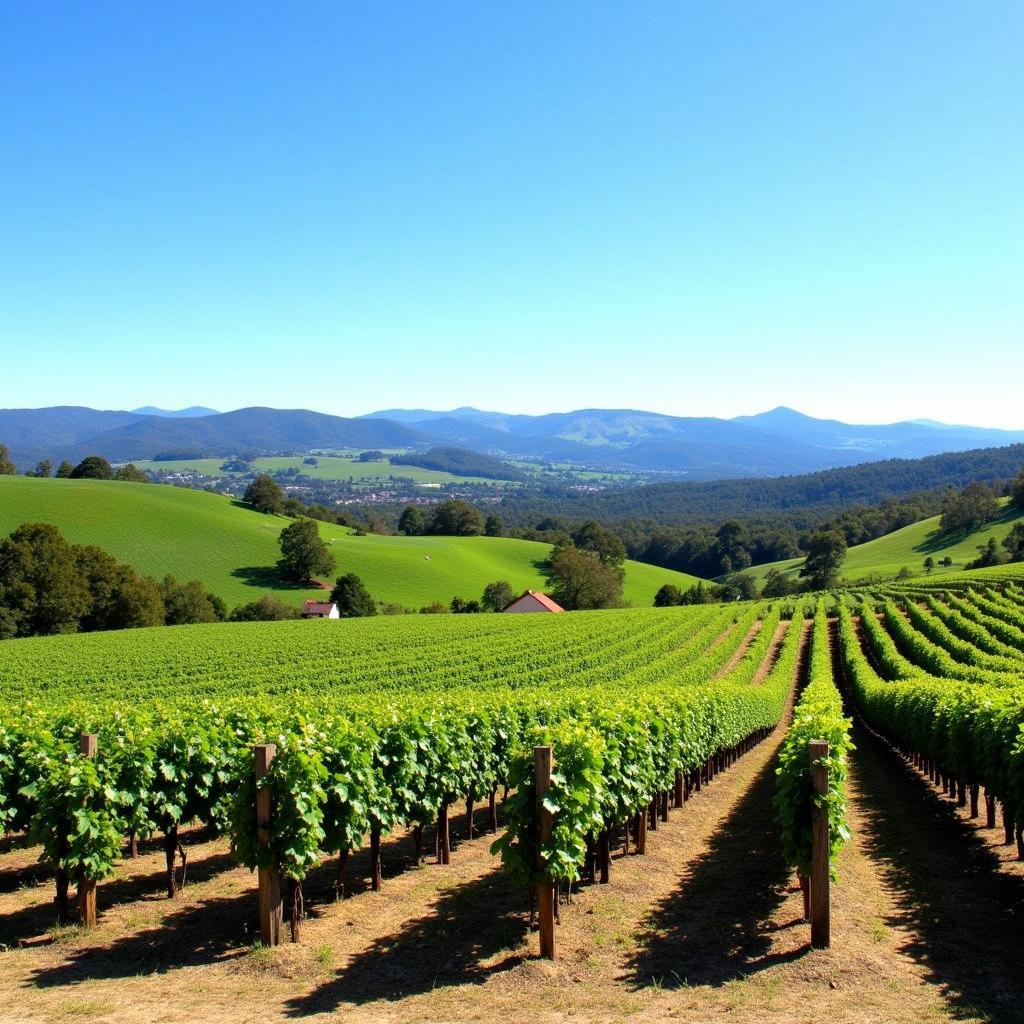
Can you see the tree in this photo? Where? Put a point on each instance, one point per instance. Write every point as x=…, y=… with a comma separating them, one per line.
x=64, y=470
x=304, y=555
x=188, y=603
x=825, y=555
x=700, y=593
x=738, y=586
x=668, y=596
x=580, y=580
x=947, y=561
x=7, y=468
x=493, y=526
x=131, y=474
x=120, y=598
x=592, y=536
x=904, y=573
x=988, y=554
x=268, y=608
x=1014, y=542
x=460, y=606
x=929, y=564
x=1017, y=490
x=264, y=494
x=497, y=596
x=352, y=597
x=292, y=508
x=93, y=467
x=456, y=518
x=412, y=522
x=777, y=584
x=372, y=456
x=44, y=468
x=972, y=508
x=41, y=587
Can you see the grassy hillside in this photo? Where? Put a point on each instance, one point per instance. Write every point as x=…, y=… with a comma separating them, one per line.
x=910, y=547
x=192, y=534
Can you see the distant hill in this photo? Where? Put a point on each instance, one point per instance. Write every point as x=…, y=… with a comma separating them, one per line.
x=460, y=462
x=769, y=444
x=193, y=534
x=681, y=503
x=192, y=410
x=909, y=547
x=66, y=432
x=772, y=443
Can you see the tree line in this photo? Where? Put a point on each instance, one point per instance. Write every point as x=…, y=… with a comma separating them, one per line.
x=49, y=586
x=92, y=467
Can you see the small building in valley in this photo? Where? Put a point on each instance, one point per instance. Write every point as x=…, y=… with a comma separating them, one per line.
x=534, y=601
x=320, y=610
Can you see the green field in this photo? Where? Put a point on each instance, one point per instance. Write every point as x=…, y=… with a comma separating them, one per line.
x=910, y=547
x=193, y=534
x=328, y=467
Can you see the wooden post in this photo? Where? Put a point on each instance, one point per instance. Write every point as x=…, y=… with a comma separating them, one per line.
x=444, y=845
x=679, y=795
x=820, y=920
x=641, y=832
x=542, y=762
x=271, y=910
x=88, y=742
x=375, y=858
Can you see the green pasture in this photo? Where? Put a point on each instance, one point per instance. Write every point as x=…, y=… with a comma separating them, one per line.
x=196, y=535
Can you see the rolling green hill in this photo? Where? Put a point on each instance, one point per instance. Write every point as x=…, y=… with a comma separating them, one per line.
x=910, y=547
x=193, y=534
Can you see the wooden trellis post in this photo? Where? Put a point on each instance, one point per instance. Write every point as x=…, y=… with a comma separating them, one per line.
x=542, y=760
x=271, y=910
x=821, y=937
x=88, y=743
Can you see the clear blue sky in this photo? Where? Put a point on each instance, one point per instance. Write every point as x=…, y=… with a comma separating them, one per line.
x=697, y=208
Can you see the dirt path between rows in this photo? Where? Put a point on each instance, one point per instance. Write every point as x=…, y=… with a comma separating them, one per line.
x=742, y=649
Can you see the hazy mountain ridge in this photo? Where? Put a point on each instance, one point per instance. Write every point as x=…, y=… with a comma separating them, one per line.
x=780, y=441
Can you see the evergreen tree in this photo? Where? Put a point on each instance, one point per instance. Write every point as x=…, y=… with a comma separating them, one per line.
x=352, y=597
x=412, y=522
x=7, y=467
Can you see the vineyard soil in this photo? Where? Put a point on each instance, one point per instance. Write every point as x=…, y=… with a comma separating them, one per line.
x=704, y=925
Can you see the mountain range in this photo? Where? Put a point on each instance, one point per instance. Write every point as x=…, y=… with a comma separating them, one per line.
x=779, y=442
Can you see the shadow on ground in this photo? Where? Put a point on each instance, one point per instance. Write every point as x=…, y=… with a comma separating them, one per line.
x=201, y=933
x=712, y=928
x=469, y=923
x=266, y=577
x=965, y=915
x=35, y=921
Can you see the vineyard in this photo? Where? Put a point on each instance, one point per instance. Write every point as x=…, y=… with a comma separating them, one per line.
x=567, y=741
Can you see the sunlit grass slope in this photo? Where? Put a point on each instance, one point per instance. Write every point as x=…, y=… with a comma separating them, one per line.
x=910, y=546
x=193, y=534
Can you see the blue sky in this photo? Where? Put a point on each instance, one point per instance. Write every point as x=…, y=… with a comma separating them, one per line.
x=703, y=209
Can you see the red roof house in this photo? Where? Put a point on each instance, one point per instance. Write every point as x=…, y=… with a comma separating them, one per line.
x=320, y=610
x=534, y=601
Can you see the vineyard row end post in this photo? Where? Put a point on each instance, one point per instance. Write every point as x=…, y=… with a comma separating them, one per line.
x=270, y=907
x=821, y=930
x=88, y=744
x=542, y=763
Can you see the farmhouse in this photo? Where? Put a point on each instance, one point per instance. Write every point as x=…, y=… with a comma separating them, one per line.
x=534, y=601
x=320, y=610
